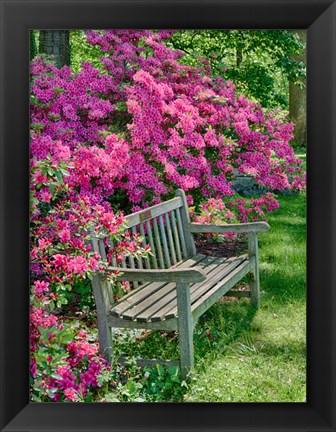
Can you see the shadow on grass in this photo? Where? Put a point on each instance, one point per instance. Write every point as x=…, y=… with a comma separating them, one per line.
x=281, y=288
x=289, y=350
x=220, y=327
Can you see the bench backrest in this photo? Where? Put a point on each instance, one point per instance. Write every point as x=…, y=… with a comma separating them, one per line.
x=165, y=228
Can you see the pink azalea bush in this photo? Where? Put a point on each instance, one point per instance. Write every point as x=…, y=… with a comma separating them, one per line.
x=235, y=210
x=146, y=124
x=65, y=364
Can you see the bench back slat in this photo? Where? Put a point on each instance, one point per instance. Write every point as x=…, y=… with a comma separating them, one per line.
x=163, y=228
x=144, y=244
x=152, y=212
x=164, y=242
x=151, y=244
x=180, y=230
x=158, y=243
x=170, y=239
x=176, y=235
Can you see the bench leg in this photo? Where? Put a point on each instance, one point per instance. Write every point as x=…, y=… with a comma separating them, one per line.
x=102, y=307
x=254, y=279
x=105, y=339
x=185, y=326
x=255, y=289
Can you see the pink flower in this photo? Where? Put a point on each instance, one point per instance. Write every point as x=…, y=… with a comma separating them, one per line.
x=64, y=235
x=45, y=196
x=77, y=265
x=59, y=260
x=71, y=395
x=41, y=287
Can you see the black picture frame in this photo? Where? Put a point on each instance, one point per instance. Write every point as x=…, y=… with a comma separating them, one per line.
x=17, y=17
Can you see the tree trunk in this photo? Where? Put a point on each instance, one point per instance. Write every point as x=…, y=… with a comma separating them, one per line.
x=239, y=56
x=56, y=43
x=32, y=44
x=297, y=98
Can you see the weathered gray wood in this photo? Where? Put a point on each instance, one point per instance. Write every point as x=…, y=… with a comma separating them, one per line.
x=173, y=298
x=220, y=268
x=114, y=260
x=108, y=286
x=151, y=243
x=139, y=261
x=170, y=309
x=169, y=325
x=159, y=275
x=164, y=242
x=144, y=244
x=133, y=298
x=176, y=236
x=185, y=326
x=143, y=310
x=222, y=271
x=204, y=303
x=237, y=228
x=254, y=280
x=185, y=219
x=170, y=239
x=102, y=301
x=152, y=212
x=167, y=294
x=180, y=228
x=158, y=243
x=154, y=307
x=102, y=250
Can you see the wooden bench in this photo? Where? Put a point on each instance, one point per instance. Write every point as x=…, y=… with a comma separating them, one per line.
x=176, y=285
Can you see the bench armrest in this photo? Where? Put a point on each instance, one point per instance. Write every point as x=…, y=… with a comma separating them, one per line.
x=162, y=275
x=236, y=228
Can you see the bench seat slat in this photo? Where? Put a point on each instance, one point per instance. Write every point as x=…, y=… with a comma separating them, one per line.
x=138, y=295
x=220, y=289
x=165, y=295
x=157, y=301
x=210, y=270
x=199, y=290
x=215, y=272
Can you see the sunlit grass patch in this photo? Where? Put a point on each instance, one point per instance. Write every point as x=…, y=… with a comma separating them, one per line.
x=260, y=356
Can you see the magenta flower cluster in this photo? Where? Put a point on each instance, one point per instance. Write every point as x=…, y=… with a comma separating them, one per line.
x=65, y=364
x=146, y=124
x=234, y=210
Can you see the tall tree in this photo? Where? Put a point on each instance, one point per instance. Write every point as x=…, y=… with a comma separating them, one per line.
x=297, y=95
x=56, y=43
x=259, y=62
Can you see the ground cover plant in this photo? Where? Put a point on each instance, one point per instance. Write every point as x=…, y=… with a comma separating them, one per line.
x=116, y=137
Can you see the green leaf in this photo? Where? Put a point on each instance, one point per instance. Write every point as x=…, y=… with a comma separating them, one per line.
x=56, y=376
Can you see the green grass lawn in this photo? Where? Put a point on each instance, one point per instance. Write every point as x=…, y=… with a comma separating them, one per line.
x=260, y=356
x=243, y=354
